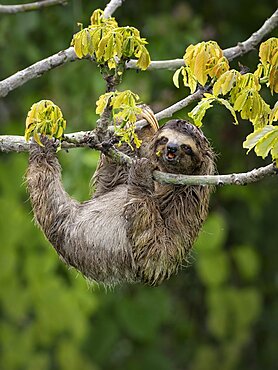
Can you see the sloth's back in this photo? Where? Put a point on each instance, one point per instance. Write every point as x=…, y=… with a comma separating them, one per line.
x=97, y=239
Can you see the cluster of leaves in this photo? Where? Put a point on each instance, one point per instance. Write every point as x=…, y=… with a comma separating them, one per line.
x=242, y=95
x=44, y=118
x=202, y=62
x=268, y=67
x=205, y=63
x=110, y=44
x=125, y=109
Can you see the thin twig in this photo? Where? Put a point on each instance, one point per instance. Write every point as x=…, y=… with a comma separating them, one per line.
x=22, y=8
x=39, y=68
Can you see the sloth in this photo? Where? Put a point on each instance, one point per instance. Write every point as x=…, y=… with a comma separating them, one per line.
x=134, y=229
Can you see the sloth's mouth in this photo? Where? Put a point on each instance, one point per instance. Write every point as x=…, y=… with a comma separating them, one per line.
x=170, y=156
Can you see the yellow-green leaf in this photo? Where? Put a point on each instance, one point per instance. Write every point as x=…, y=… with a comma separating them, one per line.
x=102, y=102
x=200, y=66
x=259, y=71
x=273, y=79
x=119, y=44
x=265, y=144
x=109, y=50
x=267, y=49
x=188, y=79
x=96, y=37
x=226, y=82
x=252, y=139
x=59, y=132
x=176, y=77
x=221, y=66
x=86, y=39
x=250, y=81
x=144, y=59
x=241, y=100
x=274, y=113
x=101, y=48
x=274, y=151
x=128, y=47
x=189, y=54
x=198, y=113
x=37, y=137
x=77, y=44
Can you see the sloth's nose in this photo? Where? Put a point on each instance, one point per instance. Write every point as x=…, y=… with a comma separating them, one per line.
x=172, y=147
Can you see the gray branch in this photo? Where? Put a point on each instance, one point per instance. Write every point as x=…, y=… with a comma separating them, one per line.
x=16, y=143
x=168, y=112
x=217, y=180
x=171, y=64
x=111, y=7
x=212, y=180
x=230, y=53
x=10, y=143
x=250, y=44
x=36, y=70
x=12, y=9
x=68, y=55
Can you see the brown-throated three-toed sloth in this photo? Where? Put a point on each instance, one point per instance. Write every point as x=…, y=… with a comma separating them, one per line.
x=133, y=229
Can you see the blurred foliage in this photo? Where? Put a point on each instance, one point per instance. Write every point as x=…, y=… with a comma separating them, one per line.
x=218, y=313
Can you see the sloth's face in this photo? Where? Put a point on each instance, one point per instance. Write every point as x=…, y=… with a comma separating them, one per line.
x=176, y=152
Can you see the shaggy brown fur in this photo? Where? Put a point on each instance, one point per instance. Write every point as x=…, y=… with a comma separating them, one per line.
x=133, y=229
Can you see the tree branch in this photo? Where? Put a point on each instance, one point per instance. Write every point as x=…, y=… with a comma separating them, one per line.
x=12, y=143
x=36, y=70
x=12, y=9
x=168, y=112
x=217, y=180
x=68, y=55
x=250, y=44
x=111, y=7
x=230, y=53
x=171, y=64
x=16, y=143
x=244, y=178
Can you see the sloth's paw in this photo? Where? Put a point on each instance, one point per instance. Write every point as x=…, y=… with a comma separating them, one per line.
x=141, y=173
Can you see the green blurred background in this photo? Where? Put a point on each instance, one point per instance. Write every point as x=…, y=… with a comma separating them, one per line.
x=221, y=311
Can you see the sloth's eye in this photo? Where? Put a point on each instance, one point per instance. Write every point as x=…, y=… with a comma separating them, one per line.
x=187, y=149
x=163, y=140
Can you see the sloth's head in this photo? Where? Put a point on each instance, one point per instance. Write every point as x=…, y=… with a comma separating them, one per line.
x=180, y=147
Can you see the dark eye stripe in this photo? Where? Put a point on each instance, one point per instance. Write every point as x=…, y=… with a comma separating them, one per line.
x=187, y=149
x=163, y=140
